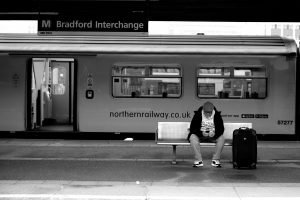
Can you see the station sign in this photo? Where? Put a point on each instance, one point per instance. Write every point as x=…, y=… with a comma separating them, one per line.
x=135, y=24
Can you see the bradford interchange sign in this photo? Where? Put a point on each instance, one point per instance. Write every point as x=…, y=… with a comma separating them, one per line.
x=71, y=26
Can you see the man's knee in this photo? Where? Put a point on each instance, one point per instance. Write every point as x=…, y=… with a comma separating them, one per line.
x=194, y=139
x=221, y=139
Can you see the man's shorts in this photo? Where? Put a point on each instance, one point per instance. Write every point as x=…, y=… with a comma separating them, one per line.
x=207, y=139
x=204, y=138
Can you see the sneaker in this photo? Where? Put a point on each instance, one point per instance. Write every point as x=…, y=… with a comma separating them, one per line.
x=216, y=163
x=198, y=164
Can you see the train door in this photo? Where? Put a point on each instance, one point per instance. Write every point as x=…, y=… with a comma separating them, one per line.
x=60, y=91
x=52, y=95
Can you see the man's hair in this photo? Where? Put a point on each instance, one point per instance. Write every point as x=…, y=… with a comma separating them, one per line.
x=208, y=107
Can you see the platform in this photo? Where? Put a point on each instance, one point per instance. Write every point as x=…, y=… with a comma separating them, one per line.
x=107, y=169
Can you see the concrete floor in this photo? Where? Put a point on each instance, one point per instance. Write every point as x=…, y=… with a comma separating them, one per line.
x=99, y=169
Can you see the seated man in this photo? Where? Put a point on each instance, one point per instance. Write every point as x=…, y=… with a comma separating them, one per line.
x=207, y=125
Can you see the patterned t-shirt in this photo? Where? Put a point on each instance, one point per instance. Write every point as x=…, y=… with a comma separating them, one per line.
x=207, y=125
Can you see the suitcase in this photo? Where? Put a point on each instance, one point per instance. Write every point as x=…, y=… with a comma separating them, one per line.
x=244, y=148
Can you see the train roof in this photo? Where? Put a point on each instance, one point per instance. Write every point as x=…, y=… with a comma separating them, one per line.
x=199, y=44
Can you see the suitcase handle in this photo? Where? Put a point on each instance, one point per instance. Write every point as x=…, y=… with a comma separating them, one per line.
x=244, y=128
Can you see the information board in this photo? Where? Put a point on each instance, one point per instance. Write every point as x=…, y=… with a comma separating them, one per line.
x=123, y=24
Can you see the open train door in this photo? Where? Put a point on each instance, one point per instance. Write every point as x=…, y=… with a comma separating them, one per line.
x=52, y=101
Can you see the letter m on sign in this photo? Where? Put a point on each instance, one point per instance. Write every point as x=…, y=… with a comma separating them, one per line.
x=46, y=24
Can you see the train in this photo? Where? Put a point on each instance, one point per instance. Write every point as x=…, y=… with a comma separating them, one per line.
x=127, y=84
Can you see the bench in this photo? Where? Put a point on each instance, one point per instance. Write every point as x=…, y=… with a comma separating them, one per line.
x=175, y=133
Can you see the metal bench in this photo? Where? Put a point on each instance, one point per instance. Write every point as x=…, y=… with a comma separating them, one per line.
x=175, y=133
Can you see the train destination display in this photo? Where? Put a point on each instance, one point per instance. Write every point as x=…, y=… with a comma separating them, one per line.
x=125, y=23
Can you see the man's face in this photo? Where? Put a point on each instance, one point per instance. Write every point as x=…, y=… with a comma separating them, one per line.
x=207, y=113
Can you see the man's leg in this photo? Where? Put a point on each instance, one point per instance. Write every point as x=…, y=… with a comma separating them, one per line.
x=194, y=141
x=219, y=147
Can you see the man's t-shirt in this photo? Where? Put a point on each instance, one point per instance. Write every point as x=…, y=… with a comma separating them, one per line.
x=207, y=125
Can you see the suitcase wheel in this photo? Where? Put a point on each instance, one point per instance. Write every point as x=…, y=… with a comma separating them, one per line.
x=234, y=165
x=253, y=166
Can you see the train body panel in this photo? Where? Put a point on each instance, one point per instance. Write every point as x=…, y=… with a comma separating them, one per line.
x=12, y=87
x=130, y=91
x=109, y=114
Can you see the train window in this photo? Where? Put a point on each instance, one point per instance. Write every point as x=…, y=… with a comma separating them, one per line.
x=214, y=72
x=157, y=81
x=164, y=71
x=58, y=80
x=232, y=82
x=255, y=72
x=129, y=71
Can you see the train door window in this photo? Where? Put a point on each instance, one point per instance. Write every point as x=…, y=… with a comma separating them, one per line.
x=232, y=81
x=152, y=81
x=58, y=80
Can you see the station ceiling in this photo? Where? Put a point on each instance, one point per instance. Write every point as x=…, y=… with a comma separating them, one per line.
x=160, y=10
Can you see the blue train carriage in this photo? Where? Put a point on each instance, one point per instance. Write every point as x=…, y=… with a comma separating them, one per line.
x=128, y=84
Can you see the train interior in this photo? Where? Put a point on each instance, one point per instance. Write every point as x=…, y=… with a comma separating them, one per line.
x=52, y=94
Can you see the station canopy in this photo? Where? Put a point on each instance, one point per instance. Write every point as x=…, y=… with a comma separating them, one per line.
x=157, y=10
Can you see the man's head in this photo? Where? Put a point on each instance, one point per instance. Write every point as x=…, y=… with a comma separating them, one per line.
x=208, y=107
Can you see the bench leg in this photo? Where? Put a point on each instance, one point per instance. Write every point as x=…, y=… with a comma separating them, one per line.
x=174, y=155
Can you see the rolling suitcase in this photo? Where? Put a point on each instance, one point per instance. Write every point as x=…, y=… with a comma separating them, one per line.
x=244, y=148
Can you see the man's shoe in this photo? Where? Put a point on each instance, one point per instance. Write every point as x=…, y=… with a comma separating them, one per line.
x=198, y=164
x=216, y=163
